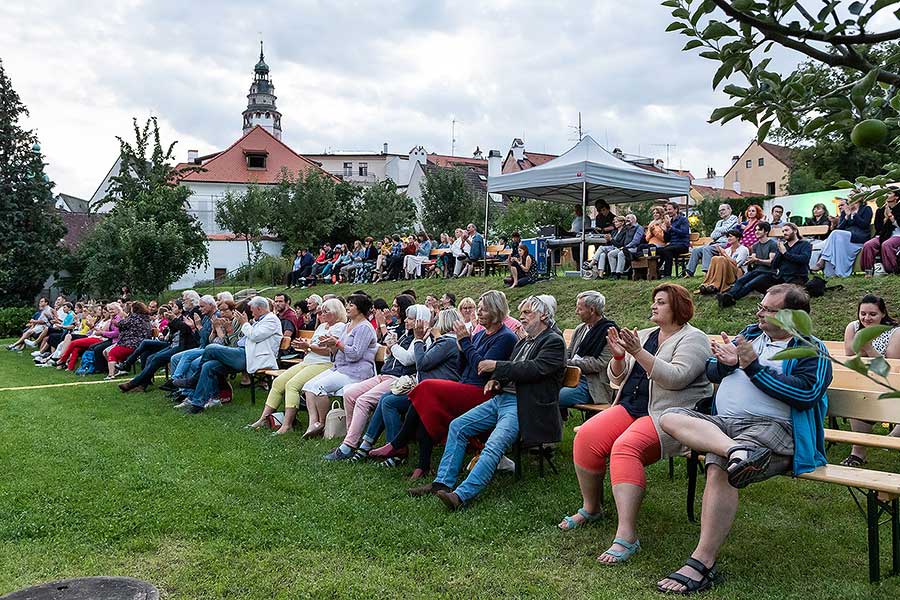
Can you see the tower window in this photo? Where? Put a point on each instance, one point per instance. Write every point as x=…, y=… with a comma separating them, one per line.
x=363, y=169
x=762, y=161
x=256, y=161
x=348, y=169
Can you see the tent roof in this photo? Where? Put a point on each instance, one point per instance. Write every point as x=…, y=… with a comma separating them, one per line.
x=607, y=177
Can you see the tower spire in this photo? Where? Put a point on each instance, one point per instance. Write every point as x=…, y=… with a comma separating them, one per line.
x=261, y=109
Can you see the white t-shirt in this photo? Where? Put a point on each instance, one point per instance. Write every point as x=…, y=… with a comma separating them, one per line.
x=321, y=331
x=738, y=397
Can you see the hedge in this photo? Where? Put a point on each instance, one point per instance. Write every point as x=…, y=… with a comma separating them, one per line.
x=12, y=319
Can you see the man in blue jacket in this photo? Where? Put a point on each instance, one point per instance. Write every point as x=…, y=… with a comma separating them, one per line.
x=677, y=237
x=767, y=420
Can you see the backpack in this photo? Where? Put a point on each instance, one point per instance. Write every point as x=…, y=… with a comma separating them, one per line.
x=816, y=287
x=87, y=363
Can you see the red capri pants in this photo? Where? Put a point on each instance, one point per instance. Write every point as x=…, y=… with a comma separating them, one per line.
x=119, y=353
x=630, y=444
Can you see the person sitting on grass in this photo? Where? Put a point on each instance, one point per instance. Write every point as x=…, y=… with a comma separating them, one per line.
x=522, y=268
x=262, y=338
x=870, y=311
x=589, y=352
x=360, y=399
x=436, y=356
x=354, y=360
x=726, y=266
x=522, y=405
x=655, y=369
x=436, y=402
x=702, y=255
x=133, y=329
x=767, y=420
x=288, y=386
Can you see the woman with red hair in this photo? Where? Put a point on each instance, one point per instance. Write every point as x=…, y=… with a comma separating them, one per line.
x=752, y=216
x=655, y=369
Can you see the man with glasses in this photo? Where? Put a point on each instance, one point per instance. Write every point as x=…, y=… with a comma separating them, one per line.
x=524, y=404
x=768, y=420
x=728, y=221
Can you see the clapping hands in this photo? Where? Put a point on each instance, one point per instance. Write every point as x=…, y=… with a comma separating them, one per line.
x=624, y=340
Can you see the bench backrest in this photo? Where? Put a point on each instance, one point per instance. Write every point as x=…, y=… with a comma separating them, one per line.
x=855, y=404
x=568, y=334
x=306, y=334
x=572, y=377
x=836, y=349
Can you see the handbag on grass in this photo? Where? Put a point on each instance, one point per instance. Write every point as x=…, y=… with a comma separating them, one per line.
x=335, y=422
x=275, y=420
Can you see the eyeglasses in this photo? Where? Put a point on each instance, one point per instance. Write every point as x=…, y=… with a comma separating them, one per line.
x=765, y=309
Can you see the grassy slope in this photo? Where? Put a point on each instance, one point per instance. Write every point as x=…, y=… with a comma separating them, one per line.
x=100, y=483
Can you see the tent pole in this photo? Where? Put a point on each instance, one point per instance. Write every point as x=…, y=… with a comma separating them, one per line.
x=581, y=256
x=487, y=206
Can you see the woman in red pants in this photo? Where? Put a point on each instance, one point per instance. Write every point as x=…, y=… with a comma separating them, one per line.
x=69, y=357
x=133, y=329
x=655, y=369
x=436, y=402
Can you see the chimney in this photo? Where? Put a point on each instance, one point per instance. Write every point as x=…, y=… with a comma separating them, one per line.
x=734, y=159
x=477, y=154
x=384, y=149
x=192, y=156
x=737, y=187
x=710, y=173
x=518, y=149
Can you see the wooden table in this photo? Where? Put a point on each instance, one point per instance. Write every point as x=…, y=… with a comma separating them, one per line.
x=645, y=267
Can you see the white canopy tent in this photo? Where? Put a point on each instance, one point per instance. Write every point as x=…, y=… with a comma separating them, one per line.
x=587, y=173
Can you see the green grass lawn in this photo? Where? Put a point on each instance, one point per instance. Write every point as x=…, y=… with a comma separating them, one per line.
x=96, y=482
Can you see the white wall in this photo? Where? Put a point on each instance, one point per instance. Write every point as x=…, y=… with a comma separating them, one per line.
x=224, y=255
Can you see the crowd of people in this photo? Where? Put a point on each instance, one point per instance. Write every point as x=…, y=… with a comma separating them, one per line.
x=467, y=375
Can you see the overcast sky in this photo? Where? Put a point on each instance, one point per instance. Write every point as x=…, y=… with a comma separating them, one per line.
x=352, y=75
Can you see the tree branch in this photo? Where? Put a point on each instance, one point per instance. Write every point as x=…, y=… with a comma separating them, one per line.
x=767, y=27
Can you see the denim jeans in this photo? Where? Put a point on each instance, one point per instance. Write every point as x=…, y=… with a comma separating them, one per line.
x=181, y=362
x=143, y=352
x=501, y=414
x=388, y=417
x=156, y=362
x=702, y=255
x=576, y=395
x=216, y=361
x=744, y=284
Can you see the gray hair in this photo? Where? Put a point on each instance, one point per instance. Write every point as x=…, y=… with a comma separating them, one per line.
x=315, y=298
x=226, y=295
x=333, y=305
x=593, y=299
x=207, y=299
x=446, y=319
x=543, y=305
x=192, y=296
x=258, y=302
x=496, y=305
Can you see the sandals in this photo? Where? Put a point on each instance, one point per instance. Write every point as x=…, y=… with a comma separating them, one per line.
x=748, y=470
x=622, y=556
x=587, y=517
x=709, y=577
x=393, y=461
x=853, y=461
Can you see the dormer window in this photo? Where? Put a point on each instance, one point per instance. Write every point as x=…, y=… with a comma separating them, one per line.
x=256, y=159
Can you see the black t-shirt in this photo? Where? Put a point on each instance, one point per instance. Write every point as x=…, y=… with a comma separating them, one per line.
x=636, y=390
x=603, y=222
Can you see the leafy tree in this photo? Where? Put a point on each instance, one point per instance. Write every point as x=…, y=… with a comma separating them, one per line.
x=245, y=215
x=348, y=223
x=447, y=203
x=303, y=210
x=734, y=34
x=527, y=216
x=385, y=211
x=148, y=240
x=30, y=230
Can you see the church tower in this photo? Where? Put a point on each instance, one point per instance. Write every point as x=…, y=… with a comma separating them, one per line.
x=261, y=101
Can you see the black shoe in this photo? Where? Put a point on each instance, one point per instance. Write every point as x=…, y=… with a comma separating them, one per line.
x=167, y=386
x=193, y=409
x=726, y=300
x=184, y=383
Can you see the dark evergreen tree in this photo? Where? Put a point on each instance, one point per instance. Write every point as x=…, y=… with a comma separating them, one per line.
x=30, y=229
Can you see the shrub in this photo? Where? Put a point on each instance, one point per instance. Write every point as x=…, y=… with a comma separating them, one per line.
x=12, y=319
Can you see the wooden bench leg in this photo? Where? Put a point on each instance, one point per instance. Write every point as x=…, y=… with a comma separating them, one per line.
x=671, y=468
x=895, y=536
x=253, y=389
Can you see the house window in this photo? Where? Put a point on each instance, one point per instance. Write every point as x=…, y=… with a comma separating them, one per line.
x=256, y=161
x=762, y=162
x=363, y=169
x=770, y=188
x=348, y=169
x=748, y=164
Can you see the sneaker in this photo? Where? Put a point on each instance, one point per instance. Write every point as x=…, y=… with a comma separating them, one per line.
x=36, y=352
x=213, y=402
x=506, y=465
x=193, y=409
x=30, y=343
x=120, y=372
x=45, y=364
x=337, y=454
x=183, y=404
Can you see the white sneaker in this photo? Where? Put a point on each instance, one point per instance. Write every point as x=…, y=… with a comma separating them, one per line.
x=184, y=404
x=213, y=402
x=506, y=465
x=30, y=343
x=118, y=373
x=45, y=364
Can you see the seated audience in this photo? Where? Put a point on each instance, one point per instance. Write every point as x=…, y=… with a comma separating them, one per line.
x=391, y=320
x=517, y=407
x=178, y=339
x=354, y=361
x=459, y=250
x=69, y=357
x=870, y=311
x=589, y=352
x=728, y=221
x=185, y=365
x=726, y=265
x=578, y=224
x=302, y=267
x=288, y=386
x=412, y=263
x=655, y=232
x=448, y=300
x=613, y=240
x=522, y=268
x=844, y=243
x=887, y=237
x=133, y=329
x=819, y=216
x=476, y=251
x=619, y=257
x=654, y=369
x=677, y=236
x=313, y=302
x=767, y=420
x=752, y=217
x=469, y=312
x=789, y=264
x=603, y=222
x=777, y=219
x=35, y=326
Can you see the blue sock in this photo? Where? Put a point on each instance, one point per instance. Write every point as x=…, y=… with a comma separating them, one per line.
x=345, y=449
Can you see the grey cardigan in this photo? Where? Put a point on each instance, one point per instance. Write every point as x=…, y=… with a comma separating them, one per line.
x=678, y=378
x=593, y=368
x=438, y=361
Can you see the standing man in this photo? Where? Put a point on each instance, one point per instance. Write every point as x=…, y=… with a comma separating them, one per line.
x=677, y=237
x=767, y=420
x=728, y=221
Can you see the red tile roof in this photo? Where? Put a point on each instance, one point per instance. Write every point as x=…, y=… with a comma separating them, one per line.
x=683, y=173
x=230, y=166
x=532, y=159
x=442, y=160
x=781, y=153
x=725, y=194
x=230, y=237
x=78, y=227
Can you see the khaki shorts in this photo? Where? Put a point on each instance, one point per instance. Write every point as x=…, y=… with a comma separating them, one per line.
x=775, y=434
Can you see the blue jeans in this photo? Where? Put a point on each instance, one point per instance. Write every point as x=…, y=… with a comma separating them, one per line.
x=156, y=362
x=744, y=284
x=181, y=362
x=702, y=255
x=388, y=417
x=216, y=361
x=143, y=352
x=501, y=414
x=576, y=395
